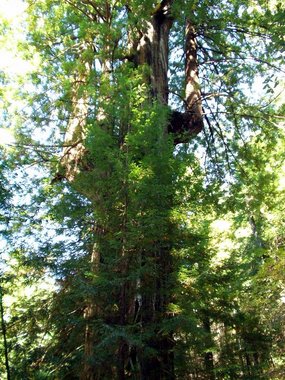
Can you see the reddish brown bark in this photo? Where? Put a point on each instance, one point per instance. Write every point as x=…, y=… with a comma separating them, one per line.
x=152, y=50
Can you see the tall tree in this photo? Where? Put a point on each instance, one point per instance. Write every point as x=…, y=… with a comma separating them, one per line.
x=120, y=82
x=128, y=132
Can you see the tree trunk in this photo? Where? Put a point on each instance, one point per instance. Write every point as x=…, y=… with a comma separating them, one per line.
x=91, y=310
x=153, y=49
x=208, y=356
x=185, y=125
x=74, y=151
x=155, y=300
x=4, y=332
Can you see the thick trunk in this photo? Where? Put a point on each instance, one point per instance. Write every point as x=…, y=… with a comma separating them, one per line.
x=152, y=51
x=156, y=296
x=74, y=151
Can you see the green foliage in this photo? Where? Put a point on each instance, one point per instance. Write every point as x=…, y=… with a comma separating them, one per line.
x=148, y=248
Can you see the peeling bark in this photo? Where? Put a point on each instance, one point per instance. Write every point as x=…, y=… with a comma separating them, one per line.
x=152, y=50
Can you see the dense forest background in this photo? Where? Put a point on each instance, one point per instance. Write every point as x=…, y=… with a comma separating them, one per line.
x=142, y=190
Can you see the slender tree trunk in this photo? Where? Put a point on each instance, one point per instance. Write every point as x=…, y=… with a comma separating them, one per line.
x=208, y=356
x=4, y=332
